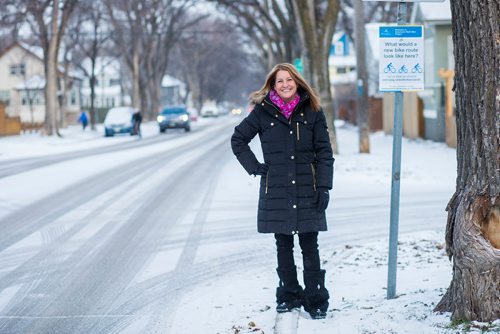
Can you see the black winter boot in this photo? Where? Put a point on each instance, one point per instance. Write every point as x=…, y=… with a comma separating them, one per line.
x=289, y=293
x=315, y=294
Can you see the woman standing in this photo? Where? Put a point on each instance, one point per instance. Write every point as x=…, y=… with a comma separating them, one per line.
x=296, y=176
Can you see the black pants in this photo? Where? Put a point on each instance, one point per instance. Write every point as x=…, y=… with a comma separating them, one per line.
x=309, y=245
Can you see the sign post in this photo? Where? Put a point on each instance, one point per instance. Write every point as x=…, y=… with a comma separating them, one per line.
x=400, y=68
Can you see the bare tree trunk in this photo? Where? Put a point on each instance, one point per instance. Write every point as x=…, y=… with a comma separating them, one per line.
x=362, y=74
x=51, y=104
x=64, y=101
x=316, y=25
x=136, y=94
x=473, y=228
x=154, y=91
x=92, y=81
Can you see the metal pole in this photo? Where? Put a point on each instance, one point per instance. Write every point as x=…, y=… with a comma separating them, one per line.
x=397, y=134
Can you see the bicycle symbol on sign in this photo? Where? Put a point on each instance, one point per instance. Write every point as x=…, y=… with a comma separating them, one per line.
x=390, y=68
x=416, y=69
x=403, y=69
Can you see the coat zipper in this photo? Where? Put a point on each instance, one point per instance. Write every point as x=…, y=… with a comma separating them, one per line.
x=267, y=180
x=298, y=132
x=314, y=176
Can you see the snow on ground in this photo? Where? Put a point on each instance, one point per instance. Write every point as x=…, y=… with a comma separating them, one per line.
x=356, y=280
x=243, y=300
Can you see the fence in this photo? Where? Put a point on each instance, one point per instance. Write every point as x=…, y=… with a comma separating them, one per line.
x=8, y=125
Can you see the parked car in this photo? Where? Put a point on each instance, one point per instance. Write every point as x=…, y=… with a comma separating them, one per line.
x=119, y=120
x=209, y=110
x=174, y=117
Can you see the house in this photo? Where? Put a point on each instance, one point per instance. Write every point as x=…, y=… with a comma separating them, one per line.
x=436, y=18
x=108, y=90
x=22, y=84
x=342, y=58
x=343, y=79
x=172, y=91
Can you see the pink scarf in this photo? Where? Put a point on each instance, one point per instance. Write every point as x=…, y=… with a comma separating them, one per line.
x=285, y=108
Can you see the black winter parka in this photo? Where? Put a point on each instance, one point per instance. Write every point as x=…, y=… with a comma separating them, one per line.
x=300, y=160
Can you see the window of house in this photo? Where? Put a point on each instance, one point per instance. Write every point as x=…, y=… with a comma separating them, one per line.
x=18, y=69
x=38, y=98
x=5, y=96
x=113, y=82
x=73, y=98
x=32, y=97
x=341, y=70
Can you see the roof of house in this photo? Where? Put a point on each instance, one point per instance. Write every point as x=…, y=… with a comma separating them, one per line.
x=170, y=81
x=22, y=46
x=34, y=82
x=37, y=53
x=432, y=12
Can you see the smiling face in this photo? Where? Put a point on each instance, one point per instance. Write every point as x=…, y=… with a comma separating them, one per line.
x=285, y=86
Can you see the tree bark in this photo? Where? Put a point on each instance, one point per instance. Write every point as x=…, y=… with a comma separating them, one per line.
x=362, y=75
x=51, y=104
x=473, y=228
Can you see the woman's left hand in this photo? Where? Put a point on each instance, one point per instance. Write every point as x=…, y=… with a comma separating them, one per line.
x=322, y=199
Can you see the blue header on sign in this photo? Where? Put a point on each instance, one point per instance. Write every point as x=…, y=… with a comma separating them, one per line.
x=400, y=31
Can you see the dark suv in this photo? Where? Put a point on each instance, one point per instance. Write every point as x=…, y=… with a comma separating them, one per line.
x=174, y=117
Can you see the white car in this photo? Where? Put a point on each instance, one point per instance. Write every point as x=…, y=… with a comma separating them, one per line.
x=119, y=120
x=209, y=110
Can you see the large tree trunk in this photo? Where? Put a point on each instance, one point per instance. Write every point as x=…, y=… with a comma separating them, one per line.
x=473, y=229
x=362, y=76
x=136, y=93
x=316, y=25
x=51, y=103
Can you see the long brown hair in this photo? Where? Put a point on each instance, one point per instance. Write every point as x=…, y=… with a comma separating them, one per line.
x=258, y=96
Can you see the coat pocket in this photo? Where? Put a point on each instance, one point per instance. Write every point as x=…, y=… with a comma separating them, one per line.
x=303, y=131
x=267, y=181
x=313, y=170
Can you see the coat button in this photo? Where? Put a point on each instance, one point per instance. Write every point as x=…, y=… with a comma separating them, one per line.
x=272, y=124
x=305, y=122
x=293, y=182
x=301, y=114
x=294, y=206
x=292, y=157
x=291, y=132
x=262, y=103
x=276, y=115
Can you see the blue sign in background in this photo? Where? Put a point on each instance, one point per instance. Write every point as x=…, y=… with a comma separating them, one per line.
x=398, y=31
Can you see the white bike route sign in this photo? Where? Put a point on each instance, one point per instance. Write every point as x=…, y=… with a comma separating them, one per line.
x=401, y=62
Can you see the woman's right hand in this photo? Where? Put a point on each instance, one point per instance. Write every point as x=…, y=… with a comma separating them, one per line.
x=261, y=169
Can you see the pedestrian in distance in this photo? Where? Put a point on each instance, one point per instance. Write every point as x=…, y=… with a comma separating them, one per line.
x=296, y=176
x=136, y=120
x=83, y=119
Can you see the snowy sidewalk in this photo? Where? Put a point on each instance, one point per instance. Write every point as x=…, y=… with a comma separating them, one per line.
x=356, y=276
